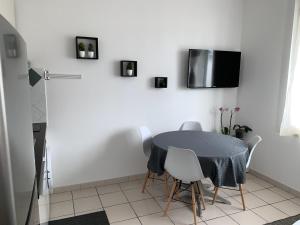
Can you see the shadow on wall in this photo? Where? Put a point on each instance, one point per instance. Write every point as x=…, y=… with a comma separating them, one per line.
x=70, y=47
x=182, y=63
x=121, y=154
x=116, y=68
x=151, y=82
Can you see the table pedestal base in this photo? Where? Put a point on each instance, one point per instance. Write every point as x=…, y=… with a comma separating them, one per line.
x=206, y=192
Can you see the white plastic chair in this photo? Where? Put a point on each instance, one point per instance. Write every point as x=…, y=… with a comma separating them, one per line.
x=184, y=166
x=191, y=125
x=252, y=144
x=146, y=136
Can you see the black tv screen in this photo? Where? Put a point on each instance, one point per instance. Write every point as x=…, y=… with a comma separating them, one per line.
x=213, y=69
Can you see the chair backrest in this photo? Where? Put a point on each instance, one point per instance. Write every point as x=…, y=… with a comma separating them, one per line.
x=146, y=136
x=252, y=144
x=191, y=125
x=183, y=164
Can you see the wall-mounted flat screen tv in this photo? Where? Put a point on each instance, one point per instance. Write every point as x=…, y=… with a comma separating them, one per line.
x=213, y=69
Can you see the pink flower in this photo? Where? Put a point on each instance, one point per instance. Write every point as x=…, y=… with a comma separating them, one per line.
x=236, y=109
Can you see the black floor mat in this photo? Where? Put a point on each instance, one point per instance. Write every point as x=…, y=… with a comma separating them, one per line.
x=288, y=221
x=98, y=218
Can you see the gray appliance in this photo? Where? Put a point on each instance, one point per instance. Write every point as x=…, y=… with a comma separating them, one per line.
x=18, y=196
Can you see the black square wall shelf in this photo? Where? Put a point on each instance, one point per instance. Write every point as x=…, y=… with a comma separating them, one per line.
x=86, y=47
x=161, y=82
x=128, y=68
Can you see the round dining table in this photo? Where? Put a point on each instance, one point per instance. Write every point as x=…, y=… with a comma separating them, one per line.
x=222, y=158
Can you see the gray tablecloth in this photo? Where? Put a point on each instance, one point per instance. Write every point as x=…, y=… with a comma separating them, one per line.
x=222, y=158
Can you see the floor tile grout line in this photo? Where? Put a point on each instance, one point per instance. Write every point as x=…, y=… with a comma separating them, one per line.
x=58, y=217
x=267, y=203
x=257, y=206
x=231, y=196
x=128, y=200
x=259, y=215
x=94, y=186
x=264, y=200
x=73, y=203
x=265, y=206
x=295, y=202
x=170, y=205
x=99, y=195
x=156, y=197
x=248, y=209
x=204, y=221
x=214, y=218
x=131, y=206
x=100, y=199
x=50, y=217
x=279, y=209
x=222, y=217
x=230, y=213
x=163, y=209
x=234, y=219
x=148, y=214
x=85, y=198
x=281, y=194
x=99, y=186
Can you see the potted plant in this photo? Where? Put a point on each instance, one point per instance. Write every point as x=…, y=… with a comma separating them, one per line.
x=224, y=130
x=91, y=52
x=241, y=130
x=227, y=130
x=129, y=69
x=81, y=48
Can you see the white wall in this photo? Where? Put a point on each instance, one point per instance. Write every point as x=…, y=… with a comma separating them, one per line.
x=91, y=120
x=265, y=46
x=7, y=9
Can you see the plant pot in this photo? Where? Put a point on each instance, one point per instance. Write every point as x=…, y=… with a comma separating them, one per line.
x=225, y=131
x=129, y=72
x=239, y=133
x=91, y=54
x=81, y=54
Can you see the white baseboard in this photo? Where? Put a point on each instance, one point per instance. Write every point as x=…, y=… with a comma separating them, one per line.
x=276, y=183
x=97, y=183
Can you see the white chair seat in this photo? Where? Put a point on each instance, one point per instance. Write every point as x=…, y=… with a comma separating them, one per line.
x=183, y=165
x=146, y=136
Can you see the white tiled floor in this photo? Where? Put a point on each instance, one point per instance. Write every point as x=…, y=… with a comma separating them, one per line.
x=126, y=205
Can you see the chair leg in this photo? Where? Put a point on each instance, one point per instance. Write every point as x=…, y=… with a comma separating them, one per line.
x=153, y=178
x=215, y=195
x=146, y=180
x=194, y=204
x=177, y=190
x=242, y=196
x=170, y=197
x=201, y=194
x=166, y=184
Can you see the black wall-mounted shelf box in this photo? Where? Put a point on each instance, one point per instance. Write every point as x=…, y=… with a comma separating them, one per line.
x=87, y=41
x=161, y=82
x=125, y=72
